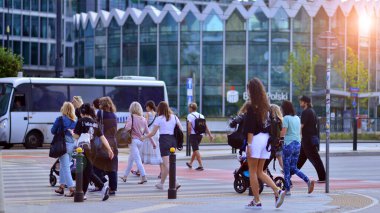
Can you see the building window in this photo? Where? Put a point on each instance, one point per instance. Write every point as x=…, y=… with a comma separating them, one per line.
x=34, y=53
x=1, y=23
x=52, y=6
x=43, y=54
x=69, y=31
x=26, y=5
x=16, y=25
x=113, y=51
x=69, y=57
x=35, y=26
x=26, y=52
x=17, y=4
x=26, y=25
x=35, y=4
x=43, y=5
x=89, y=51
x=17, y=47
x=148, y=48
x=100, y=51
x=43, y=27
x=51, y=28
x=129, y=47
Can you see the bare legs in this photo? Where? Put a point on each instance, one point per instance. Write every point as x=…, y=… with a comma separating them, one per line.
x=196, y=155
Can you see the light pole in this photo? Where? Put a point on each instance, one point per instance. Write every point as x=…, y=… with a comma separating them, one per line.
x=327, y=41
x=8, y=29
x=58, y=41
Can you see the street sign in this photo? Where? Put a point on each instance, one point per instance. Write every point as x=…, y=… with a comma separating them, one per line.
x=189, y=86
x=354, y=103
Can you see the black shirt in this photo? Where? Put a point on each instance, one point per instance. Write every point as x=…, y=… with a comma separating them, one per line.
x=109, y=122
x=88, y=125
x=253, y=123
x=309, y=121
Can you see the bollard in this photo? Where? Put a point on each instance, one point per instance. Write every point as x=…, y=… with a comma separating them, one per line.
x=188, y=147
x=355, y=135
x=172, y=191
x=79, y=195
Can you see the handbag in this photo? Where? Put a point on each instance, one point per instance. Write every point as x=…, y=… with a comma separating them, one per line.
x=100, y=151
x=124, y=136
x=58, y=144
x=236, y=139
x=178, y=134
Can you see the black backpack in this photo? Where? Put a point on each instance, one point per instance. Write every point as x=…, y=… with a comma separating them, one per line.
x=274, y=141
x=199, y=125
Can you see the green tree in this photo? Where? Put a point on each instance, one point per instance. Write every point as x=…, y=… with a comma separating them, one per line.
x=302, y=68
x=353, y=72
x=10, y=63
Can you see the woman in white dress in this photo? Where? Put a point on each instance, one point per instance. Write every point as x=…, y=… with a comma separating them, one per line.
x=148, y=154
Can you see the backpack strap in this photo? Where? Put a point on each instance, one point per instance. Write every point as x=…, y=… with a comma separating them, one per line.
x=151, y=123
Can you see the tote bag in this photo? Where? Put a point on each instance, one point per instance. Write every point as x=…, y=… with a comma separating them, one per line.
x=58, y=144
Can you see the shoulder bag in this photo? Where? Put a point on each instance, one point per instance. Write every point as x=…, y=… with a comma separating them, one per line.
x=124, y=136
x=58, y=144
x=100, y=150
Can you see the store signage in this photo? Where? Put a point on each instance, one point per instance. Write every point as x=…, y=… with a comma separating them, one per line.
x=277, y=96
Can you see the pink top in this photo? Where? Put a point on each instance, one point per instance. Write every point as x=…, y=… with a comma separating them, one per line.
x=140, y=127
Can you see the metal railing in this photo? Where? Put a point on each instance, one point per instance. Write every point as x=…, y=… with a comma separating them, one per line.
x=365, y=125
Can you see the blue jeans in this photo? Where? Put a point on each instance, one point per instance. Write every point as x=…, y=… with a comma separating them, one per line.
x=290, y=154
x=65, y=177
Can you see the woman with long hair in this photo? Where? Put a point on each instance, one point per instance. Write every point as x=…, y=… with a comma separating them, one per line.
x=107, y=118
x=165, y=123
x=257, y=138
x=137, y=123
x=291, y=132
x=77, y=102
x=69, y=122
x=87, y=124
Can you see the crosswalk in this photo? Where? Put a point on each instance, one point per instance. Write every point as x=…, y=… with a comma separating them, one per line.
x=28, y=182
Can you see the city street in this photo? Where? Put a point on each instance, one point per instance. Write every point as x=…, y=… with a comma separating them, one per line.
x=354, y=185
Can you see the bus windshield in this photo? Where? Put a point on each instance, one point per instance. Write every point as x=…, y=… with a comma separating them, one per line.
x=5, y=95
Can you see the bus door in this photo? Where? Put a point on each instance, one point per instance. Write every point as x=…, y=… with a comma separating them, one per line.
x=19, y=113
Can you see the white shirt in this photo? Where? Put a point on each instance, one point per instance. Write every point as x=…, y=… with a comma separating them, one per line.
x=166, y=127
x=191, y=118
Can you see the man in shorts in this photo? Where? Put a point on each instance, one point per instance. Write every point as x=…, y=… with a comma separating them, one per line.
x=195, y=139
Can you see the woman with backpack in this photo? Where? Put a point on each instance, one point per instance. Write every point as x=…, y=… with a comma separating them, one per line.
x=137, y=124
x=291, y=132
x=256, y=127
x=68, y=120
x=87, y=125
x=165, y=123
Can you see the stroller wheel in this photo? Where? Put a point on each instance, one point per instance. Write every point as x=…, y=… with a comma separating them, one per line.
x=280, y=182
x=52, y=180
x=239, y=185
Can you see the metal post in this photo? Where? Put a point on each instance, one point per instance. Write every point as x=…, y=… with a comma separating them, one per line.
x=328, y=115
x=79, y=195
x=8, y=30
x=188, y=147
x=58, y=48
x=355, y=130
x=172, y=191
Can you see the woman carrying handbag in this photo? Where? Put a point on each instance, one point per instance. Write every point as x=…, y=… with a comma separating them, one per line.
x=68, y=120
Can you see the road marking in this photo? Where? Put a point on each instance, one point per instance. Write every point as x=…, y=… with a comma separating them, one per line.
x=150, y=208
x=374, y=203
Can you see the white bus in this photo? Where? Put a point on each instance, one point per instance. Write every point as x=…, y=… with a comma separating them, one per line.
x=29, y=106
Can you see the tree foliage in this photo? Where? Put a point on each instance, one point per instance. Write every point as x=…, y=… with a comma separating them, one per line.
x=353, y=72
x=302, y=68
x=10, y=63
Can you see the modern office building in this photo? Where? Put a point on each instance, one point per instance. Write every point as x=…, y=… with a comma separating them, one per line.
x=219, y=44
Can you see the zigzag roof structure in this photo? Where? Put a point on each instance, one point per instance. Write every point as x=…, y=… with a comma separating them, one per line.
x=312, y=7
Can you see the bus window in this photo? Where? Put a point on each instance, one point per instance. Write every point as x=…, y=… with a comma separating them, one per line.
x=5, y=95
x=122, y=96
x=88, y=93
x=155, y=94
x=21, y=97
x=48, y=98
x=19, y=103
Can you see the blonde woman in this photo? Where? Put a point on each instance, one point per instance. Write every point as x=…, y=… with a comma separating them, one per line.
x=276, y=113
x=77, y=102
x=68, y=120
x=139, y=127
x=165, y=122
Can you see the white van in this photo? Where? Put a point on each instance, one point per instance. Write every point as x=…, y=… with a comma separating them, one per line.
x=29, y=106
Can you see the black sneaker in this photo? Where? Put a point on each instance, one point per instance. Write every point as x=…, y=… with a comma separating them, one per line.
x=112, y=193
x=199, y=168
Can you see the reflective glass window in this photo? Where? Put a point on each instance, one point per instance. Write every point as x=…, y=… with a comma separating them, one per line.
x=17, y=4
x=34, y=26
x=16, y=25
x=43, y=5
x=51, y=6
x=212, y=73
x=51, y=28
x=43, y=27
x=26, y=4
x=338, y=28
x=34, y=53
x=35, y=4
x=129, y=47
x=320, y=25
x=43, y=54
x=51, y=54
x=100, y=51
x=148, y=47
x=89, y=51
x=26, y=52
x=88, y=93
x=69, y=57
x=169, y=57
x=26, y=25
x=48, y=98
x=190, y=59
x=17, y=47
x=113, y=51
x=69, y=31
x=1, y=23
x=235, y=60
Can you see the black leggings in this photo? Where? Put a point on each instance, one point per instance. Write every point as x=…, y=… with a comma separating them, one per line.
x=89, y=175
x=310, y=151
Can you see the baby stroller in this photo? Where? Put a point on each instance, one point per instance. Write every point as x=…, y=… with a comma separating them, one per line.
x=55, y=170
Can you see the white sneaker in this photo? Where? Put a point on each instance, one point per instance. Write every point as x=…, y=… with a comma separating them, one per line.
x=280, y=199
x=105, y=193
x=159, y=186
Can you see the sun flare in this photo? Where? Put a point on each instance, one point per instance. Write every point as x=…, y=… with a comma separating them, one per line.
x=364, y=24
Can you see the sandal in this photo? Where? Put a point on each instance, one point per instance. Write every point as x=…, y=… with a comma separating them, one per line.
x=60, y=190
x=124, y=179
x=189, y=165
x=71, y=193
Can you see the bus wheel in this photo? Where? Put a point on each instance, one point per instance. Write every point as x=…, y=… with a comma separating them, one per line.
x=33, y=140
